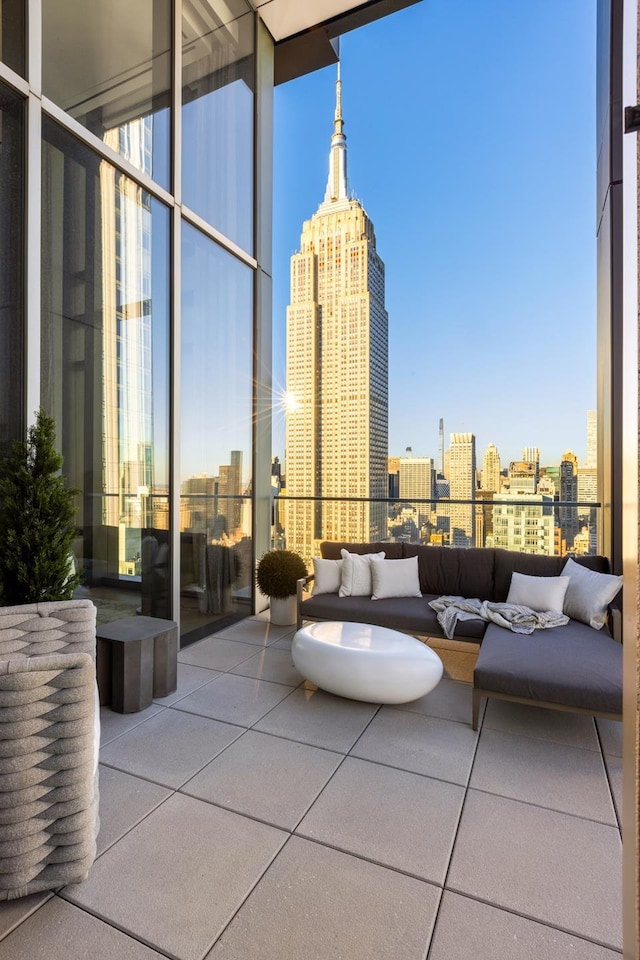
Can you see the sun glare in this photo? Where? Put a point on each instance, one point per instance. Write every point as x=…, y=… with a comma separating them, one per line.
x=290, y=402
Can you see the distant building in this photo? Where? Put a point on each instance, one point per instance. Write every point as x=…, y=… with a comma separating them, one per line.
x=568, y=516
x=523, y=476
x=532, y=454
x=587, y=487
x=592, y=439
x=527, y=528
x=484, y=518
x=417, y=482
x=440, y=515
x=229, y=495
x=547, y=487
x=588, y=493
x=462, y=477
x=491, y=469
x=337, y=370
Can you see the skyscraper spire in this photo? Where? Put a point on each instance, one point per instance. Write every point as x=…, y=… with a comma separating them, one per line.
x=337, y=182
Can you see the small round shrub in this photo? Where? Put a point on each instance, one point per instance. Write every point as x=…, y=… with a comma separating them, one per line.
x=278, y=571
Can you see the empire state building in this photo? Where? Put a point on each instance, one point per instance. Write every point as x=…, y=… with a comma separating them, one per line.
x=337, y=371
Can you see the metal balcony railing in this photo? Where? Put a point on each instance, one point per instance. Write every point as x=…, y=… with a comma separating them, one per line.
x=529, y=525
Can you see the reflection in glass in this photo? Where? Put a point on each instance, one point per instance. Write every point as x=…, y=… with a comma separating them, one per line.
x=12, y=34
x=11, y=276
x=216, y=403
x=105, y=337
x=217, y=115
x=111, y=71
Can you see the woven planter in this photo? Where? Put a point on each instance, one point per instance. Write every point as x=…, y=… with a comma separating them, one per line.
x=49, y=735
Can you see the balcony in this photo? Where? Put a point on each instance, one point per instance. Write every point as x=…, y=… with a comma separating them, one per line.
x=251, y=815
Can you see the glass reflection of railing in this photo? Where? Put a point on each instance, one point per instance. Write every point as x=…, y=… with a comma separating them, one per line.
x=528, y=523
x=220, y=516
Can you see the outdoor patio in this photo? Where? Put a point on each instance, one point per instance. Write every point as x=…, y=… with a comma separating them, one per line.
x=249, y=815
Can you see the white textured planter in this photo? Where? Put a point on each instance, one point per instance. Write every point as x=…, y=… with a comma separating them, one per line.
x=284, y=610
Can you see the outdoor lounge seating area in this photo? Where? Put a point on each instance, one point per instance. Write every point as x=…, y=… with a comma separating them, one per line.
x=251, y=815
x=575, y=664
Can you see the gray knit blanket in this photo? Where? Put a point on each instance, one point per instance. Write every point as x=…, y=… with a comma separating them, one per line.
x=512, y=616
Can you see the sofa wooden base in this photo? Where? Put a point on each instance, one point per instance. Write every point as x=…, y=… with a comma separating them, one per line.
x=478, y=694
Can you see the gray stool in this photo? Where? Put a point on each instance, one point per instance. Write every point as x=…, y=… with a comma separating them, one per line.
x=137, y=661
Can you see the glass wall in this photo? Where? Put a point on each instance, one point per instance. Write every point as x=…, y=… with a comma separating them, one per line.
x=216, y=566
x=105, y=369
x=111, y=71
x=12, y=34
x=127, y=299
x=12, y=259
x=218, y=68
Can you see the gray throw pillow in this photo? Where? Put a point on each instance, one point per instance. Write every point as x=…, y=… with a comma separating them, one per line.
x=589, y=594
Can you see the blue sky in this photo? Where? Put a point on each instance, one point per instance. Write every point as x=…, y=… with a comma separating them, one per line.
x=471, y=144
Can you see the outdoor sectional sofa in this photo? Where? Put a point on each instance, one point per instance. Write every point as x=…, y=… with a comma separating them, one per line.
x=573, y=667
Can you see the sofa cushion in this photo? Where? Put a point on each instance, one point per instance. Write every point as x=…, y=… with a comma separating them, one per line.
x=327, y=576
x=538, y=593
x=508, y=562
x=395, y=578
x=356, y=573
x=454, y=572
x=589, y=594
x=573, y=665
x=331, y=549
x=410, y=614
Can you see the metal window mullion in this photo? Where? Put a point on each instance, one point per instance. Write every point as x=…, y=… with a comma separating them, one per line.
x=96, y=145
x=262, y=304
x=13, y=80
x=33, y=207
x=33, y=253
x=34, y=45
x=175, y=313
x=197, y=221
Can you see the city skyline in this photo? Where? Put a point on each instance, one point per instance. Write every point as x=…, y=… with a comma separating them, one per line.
x=491, y=325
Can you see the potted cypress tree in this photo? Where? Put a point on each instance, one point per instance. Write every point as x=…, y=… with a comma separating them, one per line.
x=277, y=575
x=37, y=521
x=50, y=640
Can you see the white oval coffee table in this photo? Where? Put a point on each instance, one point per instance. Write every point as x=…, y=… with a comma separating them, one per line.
x=365, y=662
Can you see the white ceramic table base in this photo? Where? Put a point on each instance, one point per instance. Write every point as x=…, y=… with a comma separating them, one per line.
x=365, y=662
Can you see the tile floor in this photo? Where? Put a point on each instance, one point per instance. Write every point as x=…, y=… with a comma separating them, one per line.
x=249, y=815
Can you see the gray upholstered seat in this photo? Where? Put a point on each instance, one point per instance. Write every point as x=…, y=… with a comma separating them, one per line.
x=410, y=614
x=573, y=666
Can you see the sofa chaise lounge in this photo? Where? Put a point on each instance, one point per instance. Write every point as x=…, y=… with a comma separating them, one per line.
x=573, y=667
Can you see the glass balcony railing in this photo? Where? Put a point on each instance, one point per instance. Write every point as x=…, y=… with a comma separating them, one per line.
x=526, y=523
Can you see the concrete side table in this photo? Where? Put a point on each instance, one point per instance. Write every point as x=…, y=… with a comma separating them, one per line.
x=137, y=661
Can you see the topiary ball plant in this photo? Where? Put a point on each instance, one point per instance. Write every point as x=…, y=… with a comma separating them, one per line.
x=278, y=571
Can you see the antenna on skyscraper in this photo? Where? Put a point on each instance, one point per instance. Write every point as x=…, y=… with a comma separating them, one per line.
x=441, y=431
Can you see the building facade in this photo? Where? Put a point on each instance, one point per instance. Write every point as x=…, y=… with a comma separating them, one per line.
x=337, y=371
x=417, y=482
x=524, y=522
x=462, y=482
x=568, y=516
x=491, y=469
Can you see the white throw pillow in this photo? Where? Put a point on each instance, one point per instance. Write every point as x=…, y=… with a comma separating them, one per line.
x=327, y=576
x=589, y=594
x=538, y=593
x=356, y=573
x=395, y=578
